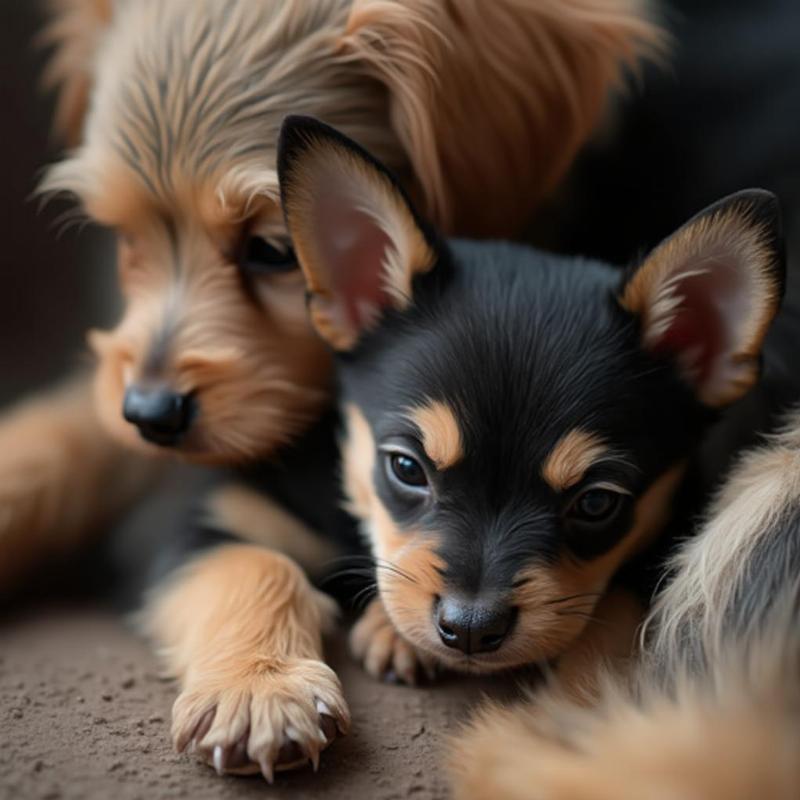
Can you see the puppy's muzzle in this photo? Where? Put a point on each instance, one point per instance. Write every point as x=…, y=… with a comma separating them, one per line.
x=161, y=415
x=472, y=626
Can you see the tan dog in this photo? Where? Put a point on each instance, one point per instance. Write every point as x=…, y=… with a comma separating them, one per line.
x=174, y=108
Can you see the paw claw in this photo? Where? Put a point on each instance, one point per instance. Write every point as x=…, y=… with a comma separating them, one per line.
x=267, y=770
x=322, y=708
x=263, y=721
x=219, y=760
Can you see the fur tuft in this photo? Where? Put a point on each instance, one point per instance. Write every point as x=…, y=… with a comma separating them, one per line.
x=74, y=34
x=524, y=80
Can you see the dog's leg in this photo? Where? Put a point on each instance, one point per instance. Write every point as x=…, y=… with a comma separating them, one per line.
x=241, y=627
x=61, y=478
x=384, y=653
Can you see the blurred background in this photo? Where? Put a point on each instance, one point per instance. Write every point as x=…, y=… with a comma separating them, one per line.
x=52, y=287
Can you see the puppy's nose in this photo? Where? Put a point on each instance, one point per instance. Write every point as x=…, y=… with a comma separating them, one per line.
x=162, y=416
x=472, y=626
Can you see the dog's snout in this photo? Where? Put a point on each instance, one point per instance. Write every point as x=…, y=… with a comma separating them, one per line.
x=161, y=415
x=472, y=626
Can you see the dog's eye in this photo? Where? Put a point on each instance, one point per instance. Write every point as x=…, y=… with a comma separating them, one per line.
x=262, y=258
x=595, y=506
x=407, y=470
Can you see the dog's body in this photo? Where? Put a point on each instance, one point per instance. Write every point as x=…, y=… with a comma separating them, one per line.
x=174, y=108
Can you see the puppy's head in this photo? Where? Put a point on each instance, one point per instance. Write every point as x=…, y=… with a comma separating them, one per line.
x=177, y=105
x=517, y=422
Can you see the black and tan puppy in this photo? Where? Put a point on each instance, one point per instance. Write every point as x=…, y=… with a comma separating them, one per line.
x=517, y=423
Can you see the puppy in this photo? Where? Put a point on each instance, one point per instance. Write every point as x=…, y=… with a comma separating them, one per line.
x=517, y=423
x=173, y=107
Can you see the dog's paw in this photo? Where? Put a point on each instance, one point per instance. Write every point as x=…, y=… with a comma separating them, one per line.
x=262, y=718
x=383, y=652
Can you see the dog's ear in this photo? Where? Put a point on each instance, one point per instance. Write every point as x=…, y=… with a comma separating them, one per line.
x=357, y=239
x=73, y=32
x=707, y=294
x=493, y=98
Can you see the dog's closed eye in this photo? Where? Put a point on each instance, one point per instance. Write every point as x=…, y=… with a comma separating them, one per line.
x=262, y=257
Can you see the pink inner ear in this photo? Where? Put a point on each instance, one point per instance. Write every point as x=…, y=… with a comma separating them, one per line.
x=353, y=246
x=702, y=332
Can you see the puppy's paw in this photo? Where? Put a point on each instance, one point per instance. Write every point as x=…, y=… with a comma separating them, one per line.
x=383, y=652
x=266, y=717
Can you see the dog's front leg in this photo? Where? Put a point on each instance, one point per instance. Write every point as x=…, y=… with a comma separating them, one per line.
x=241, y=628
x=384, y=653
x=61, y=478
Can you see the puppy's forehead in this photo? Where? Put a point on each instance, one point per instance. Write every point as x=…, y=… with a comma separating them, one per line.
x=511, y=358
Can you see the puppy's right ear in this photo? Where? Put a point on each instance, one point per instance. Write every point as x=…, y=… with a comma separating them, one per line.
x=73, y=32
x=357, y=239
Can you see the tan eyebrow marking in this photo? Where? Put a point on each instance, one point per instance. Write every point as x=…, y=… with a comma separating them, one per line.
x=573, y=454
x=441, y=436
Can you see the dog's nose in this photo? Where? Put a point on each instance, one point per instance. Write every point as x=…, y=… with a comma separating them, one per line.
x=472, y=626
x=162, y=416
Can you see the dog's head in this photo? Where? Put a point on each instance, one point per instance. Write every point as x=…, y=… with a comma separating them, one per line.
x=177, y=106
x=517, y=422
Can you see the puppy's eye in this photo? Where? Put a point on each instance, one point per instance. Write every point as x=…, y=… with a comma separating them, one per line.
x=262, y=258
x=407, y=470
x=595, y=506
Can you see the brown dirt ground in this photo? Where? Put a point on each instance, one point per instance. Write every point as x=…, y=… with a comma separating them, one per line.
x=85, y=716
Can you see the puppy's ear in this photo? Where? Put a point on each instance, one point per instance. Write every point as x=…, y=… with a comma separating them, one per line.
x=491, y=99
x=707, y=295
x=73, y=32
x=357, y=239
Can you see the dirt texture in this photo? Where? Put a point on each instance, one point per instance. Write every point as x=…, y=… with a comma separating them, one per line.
x=84, y=715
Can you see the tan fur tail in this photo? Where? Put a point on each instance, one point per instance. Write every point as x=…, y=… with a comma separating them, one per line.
x=493, y=99
x=73, y=33
x=61, y=478
x=735, y=738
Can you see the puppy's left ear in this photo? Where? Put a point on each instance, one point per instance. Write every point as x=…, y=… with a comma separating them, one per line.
x=357, y=239
x=707, y=294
